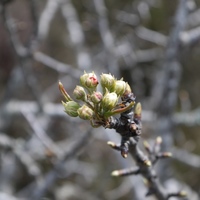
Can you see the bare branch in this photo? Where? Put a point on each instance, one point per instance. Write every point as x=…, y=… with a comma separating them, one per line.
x=190, y=37
x=56, y=65
x=106, y=37
x=76, y=35
x=23, y=55
x=54, y=174
x=151, y=36
x=162, y=88
x=46, y=17
x=38, y=130
x=186, y=157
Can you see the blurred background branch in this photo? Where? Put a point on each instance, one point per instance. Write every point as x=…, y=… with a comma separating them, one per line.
x=153, y=44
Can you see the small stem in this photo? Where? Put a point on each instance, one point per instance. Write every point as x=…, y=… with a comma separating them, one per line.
x=89, y=105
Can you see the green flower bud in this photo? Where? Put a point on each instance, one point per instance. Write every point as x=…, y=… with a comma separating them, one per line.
x=83, y=78
x=96, y=97
x=126, y=93
x=120, y=87
x=85, y=112
x=109, y=101
x=89, y=80
x=107, y=81
x=128, y=88
x=80, y=93
x=138, y=109
x=71, y=108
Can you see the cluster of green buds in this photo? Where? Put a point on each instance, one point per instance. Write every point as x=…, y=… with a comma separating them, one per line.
x=96, y=106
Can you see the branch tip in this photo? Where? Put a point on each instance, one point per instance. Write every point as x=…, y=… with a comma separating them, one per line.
x=167, y=154
x=183, y=193
x=64, y=92
x=158, y=140
x=115, y=173
x=147, y=163
x=146, y=182
x=111, y=144
x=124, y=155
x=147, y=146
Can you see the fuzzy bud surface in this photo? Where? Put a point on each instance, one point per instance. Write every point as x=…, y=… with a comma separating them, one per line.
x=109, y=101
x=107, y=81
x=96, y=97
x=71, y=108
x=80, y=93
x=89, y=80
x=85, y=112
x=120, y=87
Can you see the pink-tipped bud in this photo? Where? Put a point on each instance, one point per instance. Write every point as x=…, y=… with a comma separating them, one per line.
x=71, y=108
x=96, y=97
x=85, y=112
x=107, y=81
x=109, y=101
x=89, y=80
x=80, y=93
x=120, y=87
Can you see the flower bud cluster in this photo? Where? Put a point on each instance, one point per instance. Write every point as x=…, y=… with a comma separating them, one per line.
x=97, y=106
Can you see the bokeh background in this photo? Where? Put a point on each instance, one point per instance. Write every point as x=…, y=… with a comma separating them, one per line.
x=153, y=44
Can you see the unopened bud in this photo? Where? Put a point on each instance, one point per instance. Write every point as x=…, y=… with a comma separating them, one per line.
x=182, y=193
x=147, y=163
x=128, y=88
x=115, y=173
x=146, y=182
x=166, y=154
x=64, y=92
x=158, y=140
x=85, y=112
x=119, y=87
x=147, y=146
x=107, y=81
x=96, y=97
x=124, y=154
x=71, y=108
x=126, y=94
x=138, y=110
x=109, y=101
x=89, y=80
x=80, y=93
x=111, y=144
